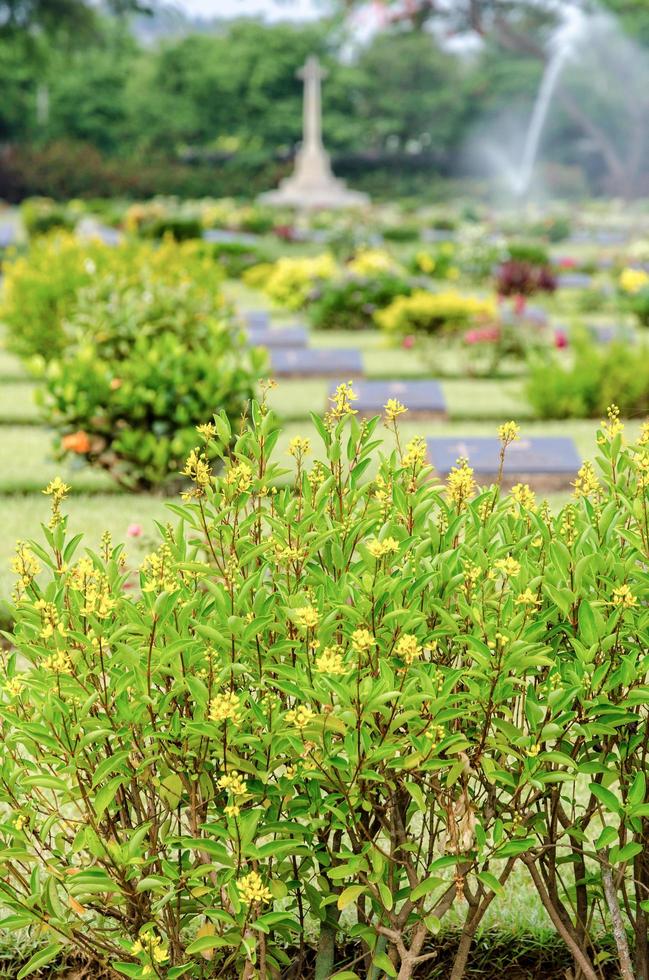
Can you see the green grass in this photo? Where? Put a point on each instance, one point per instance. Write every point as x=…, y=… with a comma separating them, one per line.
x=17, y=403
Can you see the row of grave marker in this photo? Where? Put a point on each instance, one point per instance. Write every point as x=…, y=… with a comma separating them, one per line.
x=545, y=463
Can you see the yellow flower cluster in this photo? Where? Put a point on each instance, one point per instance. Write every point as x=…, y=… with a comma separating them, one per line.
x=50, y=622
x=25, y=565
x=94, y=585
x=611, y=425
x=460, y=485
x=393, y=409
x=362, y=641
x=586, y=482
x=408, y=648
x=234, y=783
x=198, y=469
x=14, y=686
x=252, y=889
x=427, y=311
x=225, y=707
x=509, y=432
x=331, y=661
x=289, y=281
x=151, y=944
x=239, y=477
x=207, y=431
x=643, y=438
x=379, y=549
x=341, y=403
x=416, y=453
x=301, y=716
x=508, y=566
x=306, y=617
x=158, y=572
x=633, y=281
x=58, y=662
x=623, y=596
x=527, y=598
x=299, y=447
x=524, y=496
x=370, y=261
x=58, y=491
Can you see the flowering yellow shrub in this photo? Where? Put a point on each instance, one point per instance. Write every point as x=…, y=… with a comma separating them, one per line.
x=429, y=312
x=372, y=261
x=41, y=289
x=289, y=281
x=633, y=280
x=368, y=692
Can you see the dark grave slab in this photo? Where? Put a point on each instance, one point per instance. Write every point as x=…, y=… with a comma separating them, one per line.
x=423, y=399
x=221, y=236
x=309, y=363
x=277, y=337
x=7, y=235
x=534, y=316
x=257, y=319
x=545, y=462
x=606, y=333
x=438, y=235
x=574, y=280
x=109, y=236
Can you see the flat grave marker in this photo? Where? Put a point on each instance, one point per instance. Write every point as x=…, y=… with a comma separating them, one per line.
x=423, y=399
x=7, y=235
x=574, y=280
x=545, y=462
x=307, y=362
x=295, y=337
x=257, y=319
x=221, y=236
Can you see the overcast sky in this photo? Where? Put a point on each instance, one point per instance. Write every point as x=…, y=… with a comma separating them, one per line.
x=271, y=9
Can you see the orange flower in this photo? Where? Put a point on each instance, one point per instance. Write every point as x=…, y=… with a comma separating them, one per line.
x=115, y=384
x=76, y=442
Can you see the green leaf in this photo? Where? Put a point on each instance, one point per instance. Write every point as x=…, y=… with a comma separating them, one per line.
x=609, y=800
x=424, y=887
x=626, y=853
x=204, y=943
x=383, y=962
x=606, y=838
x=349, y=895
x=40, y=959
x=490, y=880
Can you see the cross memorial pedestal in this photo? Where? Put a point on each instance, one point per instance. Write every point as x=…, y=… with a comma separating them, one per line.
x=312, y=184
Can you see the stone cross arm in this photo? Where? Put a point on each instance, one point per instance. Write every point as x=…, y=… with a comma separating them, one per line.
x=312, y=70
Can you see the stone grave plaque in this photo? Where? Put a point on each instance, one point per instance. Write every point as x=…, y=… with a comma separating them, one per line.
x=7, y=235
x=221, y=236
x=257, y=319
x=607, y=333
x=307, y=362
x=277, y=337
x=574, y=280
x=545, y=462
x=423, y=399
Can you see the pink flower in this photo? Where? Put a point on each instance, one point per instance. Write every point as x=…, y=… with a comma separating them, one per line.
x=560, y=339
x=567, y=263
x=485, y=335
x=134, y=530
x=408, y=342
x=519, y=304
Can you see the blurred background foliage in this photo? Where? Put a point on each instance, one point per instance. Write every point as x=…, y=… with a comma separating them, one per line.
x=94, y=107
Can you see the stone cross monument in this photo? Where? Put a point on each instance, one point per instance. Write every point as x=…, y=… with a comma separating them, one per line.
x=312, y=184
